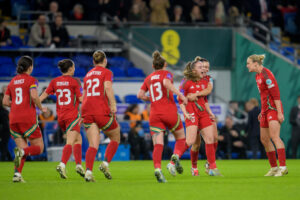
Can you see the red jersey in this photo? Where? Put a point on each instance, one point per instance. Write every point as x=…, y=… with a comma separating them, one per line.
x=162, y=100
x=186, y=87
x=268, y=89
x=22, y=106
x=67, y=90
x=204, y=82
x=95, y=100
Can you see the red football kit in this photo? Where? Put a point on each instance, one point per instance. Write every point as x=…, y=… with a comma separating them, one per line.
x=163, y=112
x=269, y=92
x=95, y=107
x=67, y=90
x=22, y=117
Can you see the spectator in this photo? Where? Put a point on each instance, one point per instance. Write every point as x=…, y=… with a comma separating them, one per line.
x=253, y=128
x=132, y=114
x=177, y=15
x=143, y=8
x=295, y=122
x=196, y=15
x=159, y=11
x=135, y=14
x=78, y=13
x=4, y=34
x=53, y=9
x=137, y=143
x=220, y=15
x=50, y=98
x=146, y=112
x=46, y=117
x=60, y=35
x=238, y=116
x=234, y=16
x=4, y=132
x=40, y=34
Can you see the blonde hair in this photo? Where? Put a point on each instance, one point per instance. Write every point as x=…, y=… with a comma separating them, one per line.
x=199, y=58
x=98, y=57
x=188, y=72
x=158, y=60
x=257, y=58
x=253, y=101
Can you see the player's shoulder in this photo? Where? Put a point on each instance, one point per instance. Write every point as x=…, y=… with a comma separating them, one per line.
x=267, y=73
x=75, y=80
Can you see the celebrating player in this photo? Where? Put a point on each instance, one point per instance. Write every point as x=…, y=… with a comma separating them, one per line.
x=68, y=91
x=98, y=112
x=271, y=115
x=22, y=97
x=163, y=115
x=207, y=85
x=198, y=117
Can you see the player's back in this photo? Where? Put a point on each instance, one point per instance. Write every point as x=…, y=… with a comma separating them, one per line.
x=162, y=100
x=95, y=100
x=22, y=106
x=67, y=90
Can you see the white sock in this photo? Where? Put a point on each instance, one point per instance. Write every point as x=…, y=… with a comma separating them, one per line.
x=274, y=168
x=105, y=163
x=282, y=167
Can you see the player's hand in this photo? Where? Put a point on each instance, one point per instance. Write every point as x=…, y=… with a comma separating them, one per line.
x=259, y=117
x=188, y=116
x=113, y=109
x=184, y=99
x=192, y=97
x=44, y=109
x=212, y=116
x=280, y=117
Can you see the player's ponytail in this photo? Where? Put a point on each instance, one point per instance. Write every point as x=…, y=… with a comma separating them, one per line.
x=257, y=58
x=158, y=60
x=99, y=57
x=189, y=73
x=64, y=65
x=24, y=63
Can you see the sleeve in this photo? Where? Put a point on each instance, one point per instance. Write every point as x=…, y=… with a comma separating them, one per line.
x=144, y=86
x=211, y=80
x=182, y=88
x=108, y=76
x=169, y=76
x=8, y=90
x=272, y=85
x=50, y=88
x=78, y=88
x=33, y=83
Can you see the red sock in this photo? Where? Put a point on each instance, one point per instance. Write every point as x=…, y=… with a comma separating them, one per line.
x=157, y=154
x=211, y=155
x=111, y=150
x=66, y=154
x=21, y=165
x=180, y=147
x=90, y=158
x=32, y=151
x=216, y=146
x=194, y=158
x=281, y=156
x=77, y=153
x=272, y=158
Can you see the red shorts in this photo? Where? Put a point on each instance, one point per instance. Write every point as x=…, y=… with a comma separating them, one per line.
x=71, y=124
x=104, y=122
x=160, y=122
x=266, y=117
x=25, y=130
x=200, y=119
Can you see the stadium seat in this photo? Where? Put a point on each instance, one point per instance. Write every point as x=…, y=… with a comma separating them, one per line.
x=42, y=60
x=118, y=72
x=55, y=72
x=16, y=41
x=42, y=70
x=7, y=70
x=80, y=72
x=135, y=72
x=16, y=59
x=132, y=99
x=118, y=99
x=82, y=60
x=6, y=60
x=146, y=126
x=57, y=59
x=125, y=127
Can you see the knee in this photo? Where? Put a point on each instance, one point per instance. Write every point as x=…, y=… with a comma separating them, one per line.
x=116, y=137
x=264, y=140
x=195, y=147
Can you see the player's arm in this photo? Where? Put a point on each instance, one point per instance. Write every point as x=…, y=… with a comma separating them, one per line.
x=185, y=113
x=206, y=91
x=110, y=95
x=43, y=96
x=35, y=97
x=169, y=85
x=6, y=100
x=142, y=95
x=211, y=114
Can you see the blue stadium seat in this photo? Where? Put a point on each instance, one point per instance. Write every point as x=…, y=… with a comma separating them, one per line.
x=7, y=70
x=80, y=72
x=82, y=60
x=135, y=72
x=118, y=99
x=132, y=99
x=118, y=72
x=146, y=126
x=16, y=41
x=42, y=60
x=42, y=70
x=55, y=72
x=125, y=127
x=17, y=59
x=57, y=59
x=6, y=60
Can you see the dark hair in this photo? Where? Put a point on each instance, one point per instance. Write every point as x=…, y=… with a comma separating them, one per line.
x=158, y=60
x=64, y=65
x=23, y=64
x=131, y=108
x=99, y=57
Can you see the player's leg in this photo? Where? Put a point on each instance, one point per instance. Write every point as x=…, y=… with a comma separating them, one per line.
x=274, y=131
x=94, y=140
x=21, y=143
x=158, y=143
x=194, y=155
x=180, y=147
x=215, y=133
x=111, y=149
x=77, y=152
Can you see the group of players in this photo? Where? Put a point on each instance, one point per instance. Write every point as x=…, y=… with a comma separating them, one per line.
x=99, y=107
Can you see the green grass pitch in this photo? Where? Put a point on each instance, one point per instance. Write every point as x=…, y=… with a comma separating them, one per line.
x=243, y=179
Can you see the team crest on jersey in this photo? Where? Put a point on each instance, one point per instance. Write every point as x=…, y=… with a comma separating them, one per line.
x=259, y=81
x=203, y=87
x=197, y=86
